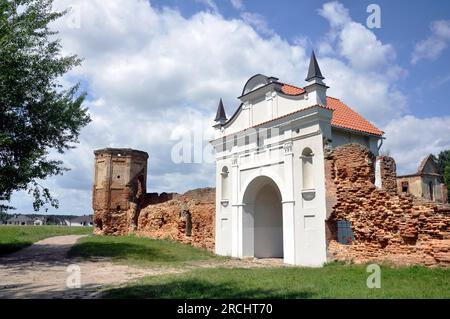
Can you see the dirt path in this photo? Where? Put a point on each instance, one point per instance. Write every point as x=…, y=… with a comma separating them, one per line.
x=41, y=271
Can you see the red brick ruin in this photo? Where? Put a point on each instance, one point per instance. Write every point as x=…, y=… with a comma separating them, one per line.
x=122, y=206
x=387, y=226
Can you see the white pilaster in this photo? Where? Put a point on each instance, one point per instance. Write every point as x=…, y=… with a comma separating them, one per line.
x=235, y=215
x=288, y=206
x=270, y=104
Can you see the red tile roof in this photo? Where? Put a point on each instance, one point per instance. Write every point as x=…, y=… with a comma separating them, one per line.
x=343, y=116
x=291, y=90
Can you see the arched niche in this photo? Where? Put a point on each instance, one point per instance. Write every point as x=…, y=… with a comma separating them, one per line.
x=308, y=168
x=225, y=181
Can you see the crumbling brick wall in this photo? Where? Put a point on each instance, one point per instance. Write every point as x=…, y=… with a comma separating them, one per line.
x=122, y=215
x=388, y=174
x=119, y=189
x=386, y=226
x=187, y=218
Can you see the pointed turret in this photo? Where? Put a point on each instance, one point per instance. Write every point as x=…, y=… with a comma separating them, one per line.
x=314, y=70
x=221, y=117
x=316, y=90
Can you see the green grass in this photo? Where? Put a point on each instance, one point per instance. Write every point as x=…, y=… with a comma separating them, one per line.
x=139, y=251
x=13, y=238
x=331, y=281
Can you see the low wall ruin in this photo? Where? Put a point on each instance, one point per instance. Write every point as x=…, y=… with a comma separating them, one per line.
x=387, y=226
x=187, y=218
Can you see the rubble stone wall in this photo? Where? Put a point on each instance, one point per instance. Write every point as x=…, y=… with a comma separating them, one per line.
x=187, y=218
x=118, y=190
x=388, y=174
x=387, y=226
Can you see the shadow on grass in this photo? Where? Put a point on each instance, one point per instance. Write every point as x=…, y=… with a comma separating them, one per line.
x=120, y=251
x=191, y=289
x=8, y=248
x=137, y=250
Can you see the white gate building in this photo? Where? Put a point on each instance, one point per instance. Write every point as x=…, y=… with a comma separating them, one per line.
x=270, y=181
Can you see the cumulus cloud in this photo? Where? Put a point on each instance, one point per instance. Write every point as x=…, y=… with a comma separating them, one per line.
x=409, y=139
x=258, y=21
x=432, y=47
x=237, y=4
x=210, y=4
x=154, y=77
x=356, y=43
x=359, y=68
x=335, y=13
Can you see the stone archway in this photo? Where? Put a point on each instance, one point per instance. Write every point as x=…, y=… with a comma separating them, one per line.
x=262, y=219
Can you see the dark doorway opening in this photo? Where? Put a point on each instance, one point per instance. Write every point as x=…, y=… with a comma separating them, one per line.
x=344, y=232
x=430, y=187
x=405, y=187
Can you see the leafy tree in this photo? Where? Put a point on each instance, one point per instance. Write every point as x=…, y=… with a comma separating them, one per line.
x=37, y=115
x=443, y=162
x=3, y=217
x=447, y=180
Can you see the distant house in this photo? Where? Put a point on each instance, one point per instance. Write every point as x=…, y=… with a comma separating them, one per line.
x=426, y=183
x=20, y=220
x=80, y=221
x=39, y=221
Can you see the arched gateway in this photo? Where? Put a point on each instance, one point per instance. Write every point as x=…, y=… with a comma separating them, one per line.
x=262, y=219
x=270, y=182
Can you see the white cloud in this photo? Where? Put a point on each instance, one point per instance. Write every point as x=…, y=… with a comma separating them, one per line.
x=432, y=47
x=153, y=75
x=359, y=68
x=335, y=13
x=238, y=4
x=258, y=22
x=409, y=139
x=362, y=49
x=210, y=4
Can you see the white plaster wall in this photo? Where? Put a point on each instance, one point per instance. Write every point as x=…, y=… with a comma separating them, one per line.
x=254, y=229
x=262, y=109
x=288, y=105
x=310, y=205
x=341, y=137
x=223, y=212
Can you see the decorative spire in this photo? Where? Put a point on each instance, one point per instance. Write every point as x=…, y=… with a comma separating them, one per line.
x=221, y=117
x=314, y=70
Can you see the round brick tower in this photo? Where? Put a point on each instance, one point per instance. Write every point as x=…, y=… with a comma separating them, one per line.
x=120, y=177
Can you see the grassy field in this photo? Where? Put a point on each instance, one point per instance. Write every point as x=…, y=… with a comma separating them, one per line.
x=331, y=281
x=139, y=251
x=13, y=238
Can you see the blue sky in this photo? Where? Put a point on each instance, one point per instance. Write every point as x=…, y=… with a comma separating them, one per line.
x=154, y=72
x=404, y=23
